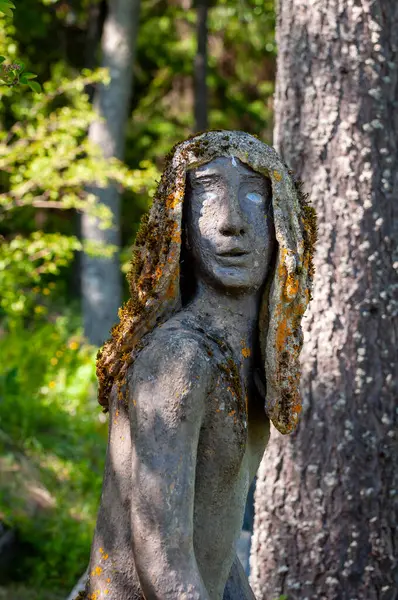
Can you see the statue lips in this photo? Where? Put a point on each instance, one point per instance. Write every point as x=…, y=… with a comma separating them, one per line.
x=233, y=255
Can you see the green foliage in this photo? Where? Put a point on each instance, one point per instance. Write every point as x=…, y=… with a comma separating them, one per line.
x=24, y=265
x=52, y=436
x=47, y=163
x=52, y=442
x=240, y=72
x=243, y=86
x=14, y=73
x=6, y=7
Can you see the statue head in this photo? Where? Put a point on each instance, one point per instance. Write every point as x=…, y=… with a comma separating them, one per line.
x=273, y=226
x=229, y=236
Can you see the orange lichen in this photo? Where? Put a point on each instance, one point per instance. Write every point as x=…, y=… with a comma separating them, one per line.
x=277, y=175
x=159, y=271
x=175, y=233
x=282, y=332
x=174, y=199
x=291, y=287
x=246, y=352
x=97, y=571
x=282, y=269
x=172, y=289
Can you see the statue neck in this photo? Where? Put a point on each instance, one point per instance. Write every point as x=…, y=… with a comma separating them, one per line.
x=236, y=315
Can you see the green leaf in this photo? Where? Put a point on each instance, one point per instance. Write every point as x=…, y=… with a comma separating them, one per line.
x=23, y=80
x=29, y=75
x=36, y=87
x=7, y=7
x=5, y=10
x=2, y=59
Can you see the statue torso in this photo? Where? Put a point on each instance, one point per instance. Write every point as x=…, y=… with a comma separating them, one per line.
x=232, y=440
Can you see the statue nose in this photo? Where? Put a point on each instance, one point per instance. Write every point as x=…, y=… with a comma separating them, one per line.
x=231, y=220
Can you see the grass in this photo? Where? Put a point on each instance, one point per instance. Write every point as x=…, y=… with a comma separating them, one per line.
x=52, y=448
x=20, y=592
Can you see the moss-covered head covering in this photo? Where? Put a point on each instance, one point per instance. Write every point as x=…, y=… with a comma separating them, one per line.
x=154, y=277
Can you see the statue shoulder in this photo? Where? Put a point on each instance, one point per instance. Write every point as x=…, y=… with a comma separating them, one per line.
x=173, y=353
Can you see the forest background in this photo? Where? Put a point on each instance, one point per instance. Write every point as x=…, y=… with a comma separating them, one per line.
x=52, y=432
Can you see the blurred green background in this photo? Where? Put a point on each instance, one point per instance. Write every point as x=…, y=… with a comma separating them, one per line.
x=52, y=432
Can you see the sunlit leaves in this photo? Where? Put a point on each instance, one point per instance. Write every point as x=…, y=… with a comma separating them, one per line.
x=49, y=164
x=6, y=7
x=24, y=262
x=13, y=74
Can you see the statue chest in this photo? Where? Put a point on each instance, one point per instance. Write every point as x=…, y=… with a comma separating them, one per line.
x=224, y=434
x=235, y=431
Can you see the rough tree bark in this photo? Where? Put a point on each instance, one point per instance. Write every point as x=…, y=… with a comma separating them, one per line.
x=100, y=278
x=200, y=66
x=326, y=501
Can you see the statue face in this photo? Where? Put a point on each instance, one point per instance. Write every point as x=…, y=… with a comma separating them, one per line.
x=229, y=224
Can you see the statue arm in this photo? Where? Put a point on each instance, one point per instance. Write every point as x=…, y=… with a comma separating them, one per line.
x=166, y=403
x=237, y=586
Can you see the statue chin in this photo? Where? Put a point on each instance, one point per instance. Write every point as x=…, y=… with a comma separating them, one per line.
x=234, y=280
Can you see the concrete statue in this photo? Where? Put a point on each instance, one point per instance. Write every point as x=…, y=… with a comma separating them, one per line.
x=205, y=355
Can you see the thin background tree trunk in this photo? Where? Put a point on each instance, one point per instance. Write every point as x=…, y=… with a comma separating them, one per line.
x=101, y=278
x=95, y=22
x=96, y=13
x=200, y=67
x=327, y=496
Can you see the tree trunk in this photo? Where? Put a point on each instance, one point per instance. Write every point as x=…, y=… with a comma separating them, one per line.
x=96, y=10
x=200, y=67
x=101, y=279
x=95, y=22
x=326, y=500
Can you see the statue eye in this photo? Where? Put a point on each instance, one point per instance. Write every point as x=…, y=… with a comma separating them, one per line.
x=255, y=197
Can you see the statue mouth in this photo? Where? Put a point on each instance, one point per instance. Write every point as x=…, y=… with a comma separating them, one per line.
x=233, y=252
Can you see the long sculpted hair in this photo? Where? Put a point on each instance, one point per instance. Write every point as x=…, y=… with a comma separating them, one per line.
x=154, y=277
